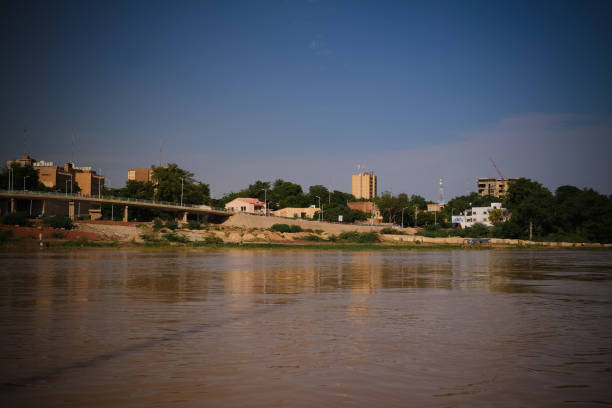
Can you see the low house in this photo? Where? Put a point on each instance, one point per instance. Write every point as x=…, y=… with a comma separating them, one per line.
x=367, y=207
x=246, y=205
x=479, y=215
x=297, y=212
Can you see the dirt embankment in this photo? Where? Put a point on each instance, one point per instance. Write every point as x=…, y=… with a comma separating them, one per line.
x=50, y=233
x=256, y=221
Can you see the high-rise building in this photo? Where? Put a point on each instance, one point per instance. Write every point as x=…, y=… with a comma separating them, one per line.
x=143, y=175
x=364, y=185
x=492, y=186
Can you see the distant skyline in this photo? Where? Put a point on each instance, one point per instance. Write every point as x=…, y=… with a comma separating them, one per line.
x=307, y=91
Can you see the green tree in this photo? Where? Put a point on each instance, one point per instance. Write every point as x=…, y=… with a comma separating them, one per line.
x=171, y=179
x=530, y=202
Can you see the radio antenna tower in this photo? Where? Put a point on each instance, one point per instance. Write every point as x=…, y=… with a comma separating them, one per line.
x=441, y=192
x=25, y=144
x=161, y=140
x=73, y=142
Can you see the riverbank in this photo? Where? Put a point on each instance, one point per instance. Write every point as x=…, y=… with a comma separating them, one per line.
x=145, y=235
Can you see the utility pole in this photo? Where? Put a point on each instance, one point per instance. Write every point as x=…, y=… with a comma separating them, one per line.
x=530, y=230
x=319, y=207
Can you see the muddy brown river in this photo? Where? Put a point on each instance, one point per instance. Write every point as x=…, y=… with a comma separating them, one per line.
x=262, y=328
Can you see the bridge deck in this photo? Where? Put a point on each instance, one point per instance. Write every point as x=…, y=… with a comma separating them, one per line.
x=154, y=205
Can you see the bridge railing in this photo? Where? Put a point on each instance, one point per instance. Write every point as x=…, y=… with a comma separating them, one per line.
x=122, y=200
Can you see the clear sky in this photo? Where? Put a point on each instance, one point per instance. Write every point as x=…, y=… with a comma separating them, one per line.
x=308, y=90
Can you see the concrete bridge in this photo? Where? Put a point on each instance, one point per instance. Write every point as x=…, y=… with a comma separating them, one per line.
x=48, y=203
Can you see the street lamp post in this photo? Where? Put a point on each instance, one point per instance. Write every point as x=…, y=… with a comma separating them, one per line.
x=403, y=216
x=265, y=201
x=24, y=179
x=182, y=183
x=319, y=207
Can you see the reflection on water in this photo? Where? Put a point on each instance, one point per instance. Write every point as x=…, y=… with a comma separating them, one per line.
x=299, y=328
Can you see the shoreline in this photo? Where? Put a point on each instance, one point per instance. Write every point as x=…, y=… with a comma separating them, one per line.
x=218, y=237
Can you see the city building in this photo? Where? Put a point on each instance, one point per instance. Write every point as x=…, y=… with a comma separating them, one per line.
x=297, y=212
x=247, y=205
x=479, y=215
x=364, y=185
x=492, y=186
x=434, y=207
x=53, y=176
x=367, y=207
x=24, y=161
x=143, y=175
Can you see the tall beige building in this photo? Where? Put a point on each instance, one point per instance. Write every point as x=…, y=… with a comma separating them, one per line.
x=364, y=185
x=143, y=175
x=494, y=186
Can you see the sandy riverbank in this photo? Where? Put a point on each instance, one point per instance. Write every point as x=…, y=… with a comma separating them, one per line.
x=253, y=234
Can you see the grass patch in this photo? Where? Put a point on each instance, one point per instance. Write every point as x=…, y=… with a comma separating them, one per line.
x=84, y=242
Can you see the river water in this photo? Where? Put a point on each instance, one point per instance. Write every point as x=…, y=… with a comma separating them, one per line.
x=305, y=328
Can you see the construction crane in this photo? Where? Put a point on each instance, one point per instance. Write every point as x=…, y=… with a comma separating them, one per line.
x=501, y=176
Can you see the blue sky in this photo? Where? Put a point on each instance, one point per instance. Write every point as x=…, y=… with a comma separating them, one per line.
x=308, y=90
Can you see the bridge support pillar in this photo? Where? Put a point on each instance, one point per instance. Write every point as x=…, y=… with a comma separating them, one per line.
x=71, y=210
x=44, y=207
x=12, y=204
x=125, y=214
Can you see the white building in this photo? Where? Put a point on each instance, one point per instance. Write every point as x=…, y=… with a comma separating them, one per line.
x=247, y=205
x=478, y=215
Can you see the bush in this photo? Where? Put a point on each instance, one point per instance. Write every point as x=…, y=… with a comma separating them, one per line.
x=359, y=237
x=194, y=225
x=16, y=218
x=149, y=238
x=58, y=221
x=311, y=237
x=208, y=241
x=157, y=224
x=392, y=231
x=171, y=224
x=5, y=236
x=174, y=237
x=286, y=228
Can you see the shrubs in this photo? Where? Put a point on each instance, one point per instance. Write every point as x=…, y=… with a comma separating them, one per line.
x=194, y=225
x=157, y=224
x=358, y=237
x=174, y=237
x=286, y=228
x=171, y=224
x=58, y=221
x=16, y=218
x=392, y=231
x=312, y=237
x=5, y=236
x=209, y=241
